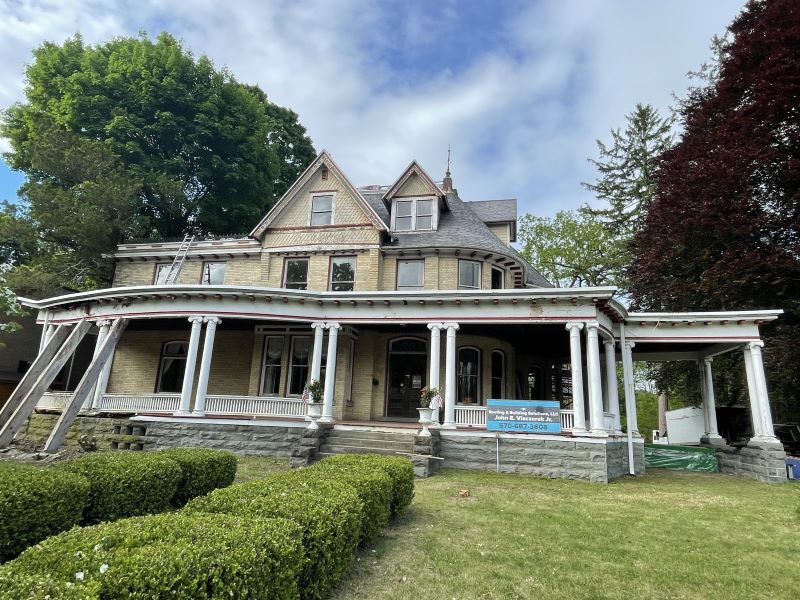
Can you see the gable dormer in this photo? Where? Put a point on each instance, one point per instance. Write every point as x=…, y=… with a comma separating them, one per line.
x=414, y=201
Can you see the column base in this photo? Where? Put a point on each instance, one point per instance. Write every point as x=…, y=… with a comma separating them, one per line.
x=448, y=426
x=181, y=413
x=579, y=432
x=598, y=433
x=713, y=439
x=764, y=441
x=198, y=413
x=326, y=420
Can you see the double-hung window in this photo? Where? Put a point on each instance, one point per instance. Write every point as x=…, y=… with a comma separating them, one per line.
x=172, y=367
x=322, y=209
x=271, y=375
x=469, y=275
x=410, y=275
x=343, y=274
x=213, y=273
x=295, y=273
x=416, y=214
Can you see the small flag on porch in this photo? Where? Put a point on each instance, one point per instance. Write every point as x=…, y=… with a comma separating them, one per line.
x=305, y=395
x=436, y=402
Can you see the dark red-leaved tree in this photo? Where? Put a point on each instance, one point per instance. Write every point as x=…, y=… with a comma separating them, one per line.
x=724, y=229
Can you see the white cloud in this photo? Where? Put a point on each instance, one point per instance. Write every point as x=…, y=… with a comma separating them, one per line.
x=522, y=115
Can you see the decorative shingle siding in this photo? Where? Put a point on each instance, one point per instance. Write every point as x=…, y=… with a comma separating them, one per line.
x=415, y=186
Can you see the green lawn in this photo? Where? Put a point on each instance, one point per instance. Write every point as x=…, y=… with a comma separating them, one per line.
x=258, y=467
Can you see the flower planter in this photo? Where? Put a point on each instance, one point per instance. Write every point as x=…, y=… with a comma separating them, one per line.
x=425, y=414
x=314, y=413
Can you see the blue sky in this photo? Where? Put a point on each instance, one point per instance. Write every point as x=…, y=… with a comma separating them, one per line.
x=520, y=90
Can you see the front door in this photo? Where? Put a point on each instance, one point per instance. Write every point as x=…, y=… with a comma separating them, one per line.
x=407, y=365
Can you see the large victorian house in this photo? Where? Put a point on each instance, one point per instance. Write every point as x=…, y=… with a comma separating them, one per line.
x=380, y=291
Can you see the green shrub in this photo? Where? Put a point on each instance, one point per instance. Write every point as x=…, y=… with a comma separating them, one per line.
x=179, y=555
x=202, y=470
x=36, y=503
x=126, y=484
x=329, y=513
x=373, y=486
x=399, y=468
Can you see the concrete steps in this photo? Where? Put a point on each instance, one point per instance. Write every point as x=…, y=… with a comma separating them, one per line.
x=352, y=441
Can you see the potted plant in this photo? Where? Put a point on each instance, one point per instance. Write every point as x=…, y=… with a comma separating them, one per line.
x=313, y=396
x=426, y=397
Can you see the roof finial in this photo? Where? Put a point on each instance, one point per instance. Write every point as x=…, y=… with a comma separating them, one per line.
x=447, y=184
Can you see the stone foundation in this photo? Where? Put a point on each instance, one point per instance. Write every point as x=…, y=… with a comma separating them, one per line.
x=597, y=460
x=761, y=461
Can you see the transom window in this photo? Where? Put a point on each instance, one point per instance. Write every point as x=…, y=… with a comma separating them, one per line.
x=414, y=214
x=171, y=367
x=469, y=275
x=213, y=273
x=410, y=275
x=343, y=274
x=295, y=273
x=271, y=375
x=322, y=209
x=469, y=376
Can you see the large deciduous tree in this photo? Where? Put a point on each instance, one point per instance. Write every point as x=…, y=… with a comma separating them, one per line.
x=724, y=228
x=144, y=136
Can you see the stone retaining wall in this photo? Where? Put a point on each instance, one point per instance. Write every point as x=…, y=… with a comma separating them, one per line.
x=598, y=461
x=763, y=462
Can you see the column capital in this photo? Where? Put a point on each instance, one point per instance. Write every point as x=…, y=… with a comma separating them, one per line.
x=214, y=320
x=574, y=325
x=450, y=326
x=318, y=325
x=592, y=325
x=756, y=344
x=332, y=326
x=433, y=326
x=629, y=345
x=196, y=319
x=609, y=342
x=708, y=360
x=103, y=322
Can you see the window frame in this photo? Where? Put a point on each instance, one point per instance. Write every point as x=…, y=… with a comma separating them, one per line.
x=434, y=215
x=464, y=261
x=502, y=378
x=502, y=278
x=420, y=287
x=160, y=371
x=158, y=267
x=321, y=194
x=333, y=259
x=213, y=262
x=264, y=365
x=286, y=261
x=477, y=376
x=290, y=364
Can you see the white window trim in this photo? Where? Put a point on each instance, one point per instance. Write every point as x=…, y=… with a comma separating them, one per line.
x=213, y=262
x=355, y=270
x=434, y=215
x=409, y=288
x=160, y=266
x=502, y=278
x=286, y=270
x=311, y=207
x=289, y=371
x=264, y=365
x=480, y=274
x=478, y=375
x=502, y=356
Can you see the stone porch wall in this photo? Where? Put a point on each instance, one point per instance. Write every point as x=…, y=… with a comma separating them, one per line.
x=762, y=462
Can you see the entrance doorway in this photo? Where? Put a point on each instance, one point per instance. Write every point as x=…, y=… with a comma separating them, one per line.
x=408, y=361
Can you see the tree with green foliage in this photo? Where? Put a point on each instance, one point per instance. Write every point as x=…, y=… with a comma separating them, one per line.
x=9, y=307
x=571, y=249
x=137, y=137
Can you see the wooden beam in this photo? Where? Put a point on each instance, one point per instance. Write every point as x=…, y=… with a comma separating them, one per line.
x=85, y=387
x=27, y=404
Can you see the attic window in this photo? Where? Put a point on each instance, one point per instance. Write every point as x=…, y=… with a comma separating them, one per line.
x=324, y=173
x=417, y=214
x=322, y=209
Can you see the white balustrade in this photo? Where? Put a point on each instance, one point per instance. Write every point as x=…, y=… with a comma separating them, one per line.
x=140, y=403
x=567, y=420
x=54, y=400
x=473, y=416
x=256, y=405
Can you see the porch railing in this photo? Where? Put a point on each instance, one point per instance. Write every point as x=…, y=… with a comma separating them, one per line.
x=256, y=405
x=166, y=403
x=475, y=416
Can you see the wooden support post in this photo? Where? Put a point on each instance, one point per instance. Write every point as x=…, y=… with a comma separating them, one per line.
x=85, y=387
x=52, y=370
x=33, y=373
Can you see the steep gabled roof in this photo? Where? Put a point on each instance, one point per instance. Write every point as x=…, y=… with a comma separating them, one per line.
x=323, y=158
x=413, y=169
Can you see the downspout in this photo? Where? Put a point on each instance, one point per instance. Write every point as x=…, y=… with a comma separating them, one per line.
x=630, y=397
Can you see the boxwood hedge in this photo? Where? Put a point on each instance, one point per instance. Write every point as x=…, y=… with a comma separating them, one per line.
x=125, y=484
x=328, y=511
x=35, y=503
x=202, y=470
x=373, y=486
x=171, y=555
x=399, y=468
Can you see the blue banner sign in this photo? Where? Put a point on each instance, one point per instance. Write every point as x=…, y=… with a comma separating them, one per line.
x=524, y=416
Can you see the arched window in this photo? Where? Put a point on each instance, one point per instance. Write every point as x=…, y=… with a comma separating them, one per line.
x=171, y=367
x=469, y=376
x=498, y=374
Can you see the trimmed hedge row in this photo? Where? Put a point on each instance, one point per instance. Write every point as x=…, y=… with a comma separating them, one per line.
x=202, y=471
x=180, y=555
x=35, y=503
x=328, y=511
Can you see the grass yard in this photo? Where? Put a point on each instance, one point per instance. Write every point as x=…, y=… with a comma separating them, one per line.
x=667, y=535
x=258, y=467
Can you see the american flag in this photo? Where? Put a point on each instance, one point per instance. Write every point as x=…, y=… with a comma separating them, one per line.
x=305, y=395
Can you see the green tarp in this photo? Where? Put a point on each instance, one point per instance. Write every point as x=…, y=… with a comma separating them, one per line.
x=687, y=458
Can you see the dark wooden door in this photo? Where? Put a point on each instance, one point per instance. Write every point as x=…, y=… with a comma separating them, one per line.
x=406, y=379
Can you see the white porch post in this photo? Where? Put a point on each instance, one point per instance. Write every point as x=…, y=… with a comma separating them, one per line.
x=752, y=392
x=435, y=366
x=316, y=357
x=191, y=362
x=578, y=409
x=612, y=389
x=450, y=378
x=595, y=383
x=712, y=435
x=767, y=428
x=205, y=366
x=330, y=373
x=93, y=398
x=630, y=390
x=704, y=397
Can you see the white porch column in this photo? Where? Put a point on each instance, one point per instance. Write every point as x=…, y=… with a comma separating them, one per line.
x=205, y=366
x=704, y=397
x=191, y=362
x=712, y=434
x=612, y=389
x=330, y=372
x=316, y=357
x=93, y=399
x=435, y=366
x=450, y=378
x=752, y=392
x=768, y=430
x=630, y=390
x=595, y=383
x=578, y=409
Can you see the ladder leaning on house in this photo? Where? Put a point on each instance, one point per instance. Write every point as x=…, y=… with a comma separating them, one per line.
x=177, y=263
